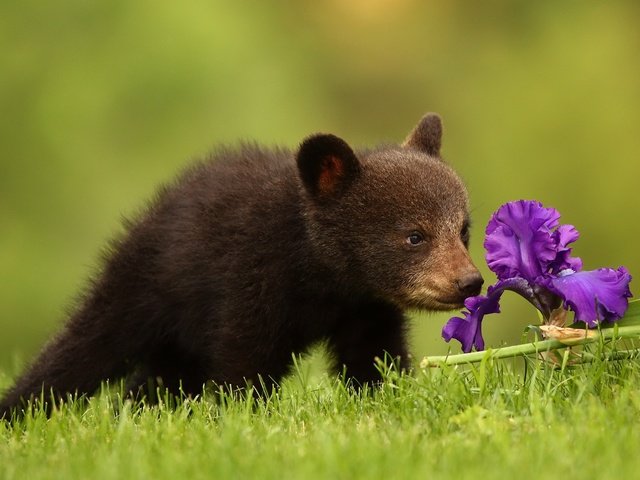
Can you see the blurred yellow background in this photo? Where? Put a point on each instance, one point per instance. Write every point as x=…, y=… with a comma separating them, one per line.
x=102, y=101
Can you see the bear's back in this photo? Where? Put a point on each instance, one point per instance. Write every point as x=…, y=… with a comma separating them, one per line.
x=232, y=220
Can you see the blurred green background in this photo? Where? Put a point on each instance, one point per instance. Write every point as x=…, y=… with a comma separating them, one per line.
x=102, y=101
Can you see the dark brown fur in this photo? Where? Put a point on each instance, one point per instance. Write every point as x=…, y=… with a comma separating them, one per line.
x=256, y=254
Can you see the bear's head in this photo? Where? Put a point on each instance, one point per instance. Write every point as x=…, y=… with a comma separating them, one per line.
x=391, y=222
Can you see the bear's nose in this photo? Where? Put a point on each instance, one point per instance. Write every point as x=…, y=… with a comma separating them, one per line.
x=470, y=284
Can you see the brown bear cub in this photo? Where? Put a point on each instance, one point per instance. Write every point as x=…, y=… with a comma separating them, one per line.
x=256, y=254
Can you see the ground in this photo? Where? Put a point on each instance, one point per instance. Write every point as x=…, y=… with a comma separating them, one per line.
x=494, y=420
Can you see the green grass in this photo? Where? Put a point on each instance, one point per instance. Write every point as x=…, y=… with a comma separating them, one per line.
x=493, y=420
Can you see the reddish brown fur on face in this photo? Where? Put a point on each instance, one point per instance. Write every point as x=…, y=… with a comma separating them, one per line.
x=436, y=285
x=255, y=254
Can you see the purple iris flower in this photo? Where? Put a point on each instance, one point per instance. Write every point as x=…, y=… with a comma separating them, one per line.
x=529, y=252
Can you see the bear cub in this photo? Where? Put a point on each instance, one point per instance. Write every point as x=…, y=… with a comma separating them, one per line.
x=255, y=254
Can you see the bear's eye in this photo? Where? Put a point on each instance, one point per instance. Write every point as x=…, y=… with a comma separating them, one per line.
x=415, y=238
x=464, y=234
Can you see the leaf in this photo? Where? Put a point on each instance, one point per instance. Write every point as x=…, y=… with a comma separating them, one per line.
x=557, y=318
x=566, y=335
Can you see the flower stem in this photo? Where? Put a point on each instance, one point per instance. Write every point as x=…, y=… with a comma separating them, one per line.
x=528, y=348
x=612, y=356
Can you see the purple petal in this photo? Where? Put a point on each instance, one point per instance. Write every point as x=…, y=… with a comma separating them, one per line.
x=596, y=295
x=519, y=242
x=563, y=236
x=468, y=328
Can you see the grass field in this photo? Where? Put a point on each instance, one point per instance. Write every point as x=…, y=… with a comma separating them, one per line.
x=495, y=420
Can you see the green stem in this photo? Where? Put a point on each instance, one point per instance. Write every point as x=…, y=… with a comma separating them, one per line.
x=587, y=357
x=528, y=348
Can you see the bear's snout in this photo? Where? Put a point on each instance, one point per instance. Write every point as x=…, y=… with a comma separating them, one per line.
x=470, y=284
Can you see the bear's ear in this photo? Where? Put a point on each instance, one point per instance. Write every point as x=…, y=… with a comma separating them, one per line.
x=327, y=165
x=427, y=136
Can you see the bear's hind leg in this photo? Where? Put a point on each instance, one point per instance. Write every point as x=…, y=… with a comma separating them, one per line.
x=168, y=370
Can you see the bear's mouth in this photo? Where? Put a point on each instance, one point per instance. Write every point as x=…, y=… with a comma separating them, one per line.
x=431, y=302
x=431, y=298
x=447, y=304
